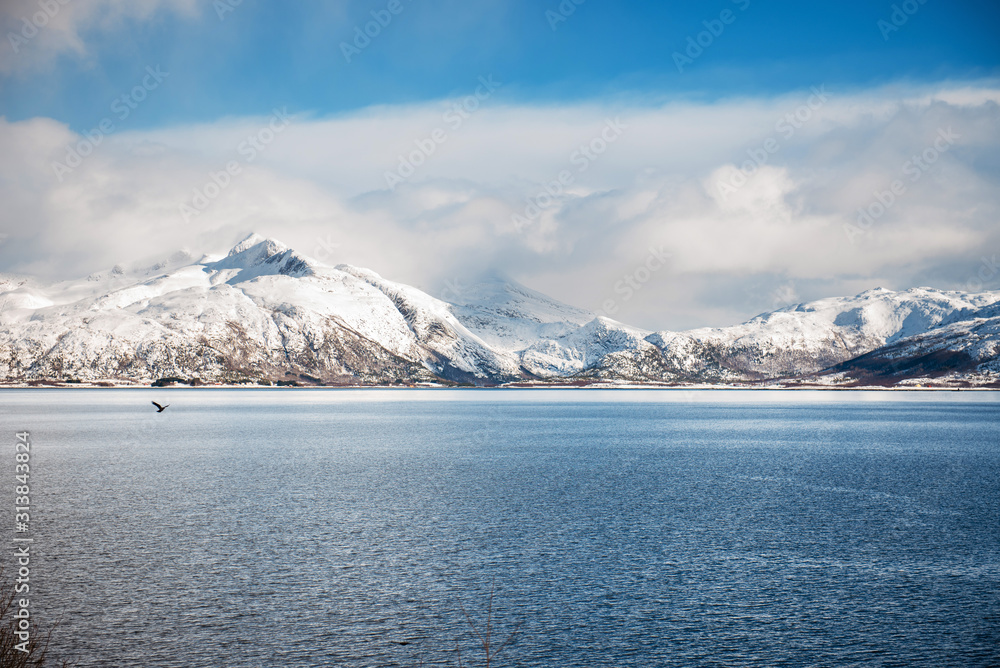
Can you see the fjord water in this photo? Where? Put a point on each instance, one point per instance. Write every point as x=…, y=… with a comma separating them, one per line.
x=619, y=528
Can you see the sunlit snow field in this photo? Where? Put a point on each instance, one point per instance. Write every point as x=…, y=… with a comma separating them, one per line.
x=621, y=528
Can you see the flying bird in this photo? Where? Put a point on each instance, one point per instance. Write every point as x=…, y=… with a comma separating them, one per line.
x=160, y=408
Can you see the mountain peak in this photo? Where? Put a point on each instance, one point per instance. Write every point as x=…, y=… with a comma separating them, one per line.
x=253, y=240
x=259, y=256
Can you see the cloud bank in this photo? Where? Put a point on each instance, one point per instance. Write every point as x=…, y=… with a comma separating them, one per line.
x=753, y=202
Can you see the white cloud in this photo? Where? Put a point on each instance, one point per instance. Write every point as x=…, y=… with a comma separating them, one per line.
x=320, y=186
x=36, y=32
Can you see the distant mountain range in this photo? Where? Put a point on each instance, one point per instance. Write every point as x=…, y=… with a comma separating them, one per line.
x=265, y=314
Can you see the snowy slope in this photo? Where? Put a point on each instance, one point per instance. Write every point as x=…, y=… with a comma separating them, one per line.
x=808, y=337
x=262, y=312
x=457, y=352
x=551, y=339
x=508, y=316
x=966, y=350
x=265, y=313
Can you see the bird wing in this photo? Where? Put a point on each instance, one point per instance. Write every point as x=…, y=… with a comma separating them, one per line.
x=157, y=405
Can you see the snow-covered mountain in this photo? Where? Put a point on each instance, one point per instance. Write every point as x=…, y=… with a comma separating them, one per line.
x=264, y=313
x=964, y=350
x=807, y=338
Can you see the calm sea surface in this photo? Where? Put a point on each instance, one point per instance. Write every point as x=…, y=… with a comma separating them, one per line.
x=288, y=528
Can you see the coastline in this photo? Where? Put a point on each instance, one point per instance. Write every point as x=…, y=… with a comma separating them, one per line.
x=124, y=385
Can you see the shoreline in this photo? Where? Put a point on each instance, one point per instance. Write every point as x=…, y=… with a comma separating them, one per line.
x=110, y=385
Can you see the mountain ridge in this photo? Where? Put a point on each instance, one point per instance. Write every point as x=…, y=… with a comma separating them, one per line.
x=264, y=313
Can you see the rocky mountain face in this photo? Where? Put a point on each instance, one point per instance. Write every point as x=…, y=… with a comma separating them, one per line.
x=266, y=314
x=961, y=352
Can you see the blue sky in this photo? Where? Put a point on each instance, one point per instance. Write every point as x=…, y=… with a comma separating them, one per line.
x=260, y=54
x=838, y=98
